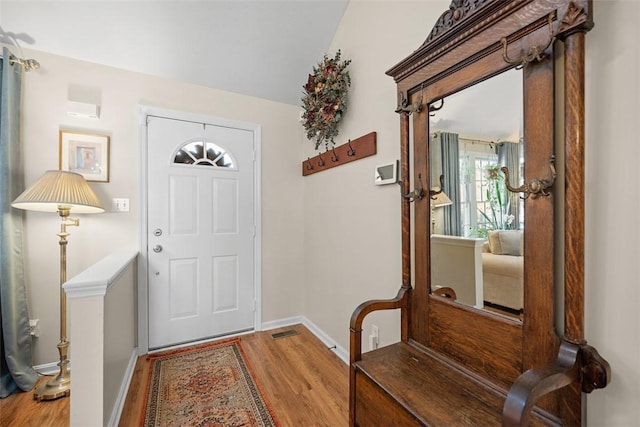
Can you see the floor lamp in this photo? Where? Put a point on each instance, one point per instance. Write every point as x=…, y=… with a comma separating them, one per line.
x=60, y=191
x=439, y=199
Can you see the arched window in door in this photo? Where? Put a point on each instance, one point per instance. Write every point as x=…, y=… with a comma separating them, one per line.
x=204, y=153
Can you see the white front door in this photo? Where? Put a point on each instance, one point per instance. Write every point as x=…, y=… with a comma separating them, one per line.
x=201, y=230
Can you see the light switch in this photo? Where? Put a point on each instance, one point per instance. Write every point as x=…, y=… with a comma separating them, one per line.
x=121, y=205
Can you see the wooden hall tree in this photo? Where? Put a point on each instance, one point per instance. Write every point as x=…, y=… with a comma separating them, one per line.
x=458, y=364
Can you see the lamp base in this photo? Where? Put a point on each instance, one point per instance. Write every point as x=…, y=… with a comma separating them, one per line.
x=56, y=387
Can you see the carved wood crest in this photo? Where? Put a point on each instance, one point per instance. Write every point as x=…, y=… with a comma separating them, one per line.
x=458, y=11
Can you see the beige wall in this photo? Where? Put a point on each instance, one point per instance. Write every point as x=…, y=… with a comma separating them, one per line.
x=44, y=106
x=612, y=206
x=352, y=227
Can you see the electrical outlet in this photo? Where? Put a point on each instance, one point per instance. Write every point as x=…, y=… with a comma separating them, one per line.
x=372, y=342
x=374, y=338
x=34, y=327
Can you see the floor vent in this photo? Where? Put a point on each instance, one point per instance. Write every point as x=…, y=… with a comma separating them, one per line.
x=283, y=334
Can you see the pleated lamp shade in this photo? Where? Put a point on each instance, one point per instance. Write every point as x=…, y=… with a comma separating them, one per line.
x=59, y=188
x=440, y=199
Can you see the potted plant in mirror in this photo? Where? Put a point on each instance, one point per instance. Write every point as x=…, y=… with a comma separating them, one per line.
x=497, y=216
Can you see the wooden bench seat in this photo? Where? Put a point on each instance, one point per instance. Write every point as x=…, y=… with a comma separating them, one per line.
x=406, y=385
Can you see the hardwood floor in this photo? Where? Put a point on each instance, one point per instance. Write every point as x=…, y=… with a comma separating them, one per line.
x=21, y=410
x=305, y=383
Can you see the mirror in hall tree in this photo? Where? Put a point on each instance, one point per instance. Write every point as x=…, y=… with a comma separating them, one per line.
x=476, y=223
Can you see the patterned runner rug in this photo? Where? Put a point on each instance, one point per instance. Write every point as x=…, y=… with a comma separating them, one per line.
x=206, y=385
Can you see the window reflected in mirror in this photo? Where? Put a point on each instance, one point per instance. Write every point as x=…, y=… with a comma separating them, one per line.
x=476, y=223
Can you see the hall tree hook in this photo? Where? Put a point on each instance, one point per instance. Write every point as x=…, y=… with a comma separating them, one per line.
x=433, y=108
x=537, y=186
x=535, y=53
x=321, y=161
x=309, y=165
x=403, y=103
x=415, y=194
x=433, y=193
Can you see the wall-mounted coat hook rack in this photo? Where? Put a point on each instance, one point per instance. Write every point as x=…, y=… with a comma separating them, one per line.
x=355, y=149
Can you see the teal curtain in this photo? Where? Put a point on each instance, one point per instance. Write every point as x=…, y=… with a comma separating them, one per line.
x=16, y=370
x=451, y=171
x=509, y=155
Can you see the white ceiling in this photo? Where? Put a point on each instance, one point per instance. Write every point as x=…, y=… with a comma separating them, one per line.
x=262, y=48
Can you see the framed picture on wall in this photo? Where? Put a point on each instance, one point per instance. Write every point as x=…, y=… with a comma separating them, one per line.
x=86, y=154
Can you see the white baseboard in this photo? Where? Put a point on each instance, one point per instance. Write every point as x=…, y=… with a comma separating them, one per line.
x=116, y=412
x=327, y=340
x=315, y=330
x=52, y=369
x=281, y=323
x=49, y=368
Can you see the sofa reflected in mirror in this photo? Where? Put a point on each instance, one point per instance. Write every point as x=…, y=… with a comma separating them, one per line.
x=503, y=270
x=482, y=273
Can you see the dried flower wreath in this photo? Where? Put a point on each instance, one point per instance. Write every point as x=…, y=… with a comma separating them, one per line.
x=325, y=100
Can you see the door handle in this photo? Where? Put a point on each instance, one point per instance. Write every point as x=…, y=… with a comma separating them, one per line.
x=157, y=248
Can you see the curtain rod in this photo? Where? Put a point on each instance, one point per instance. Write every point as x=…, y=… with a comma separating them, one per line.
x=28, y=64
x=465, y=138
x=474, y=140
